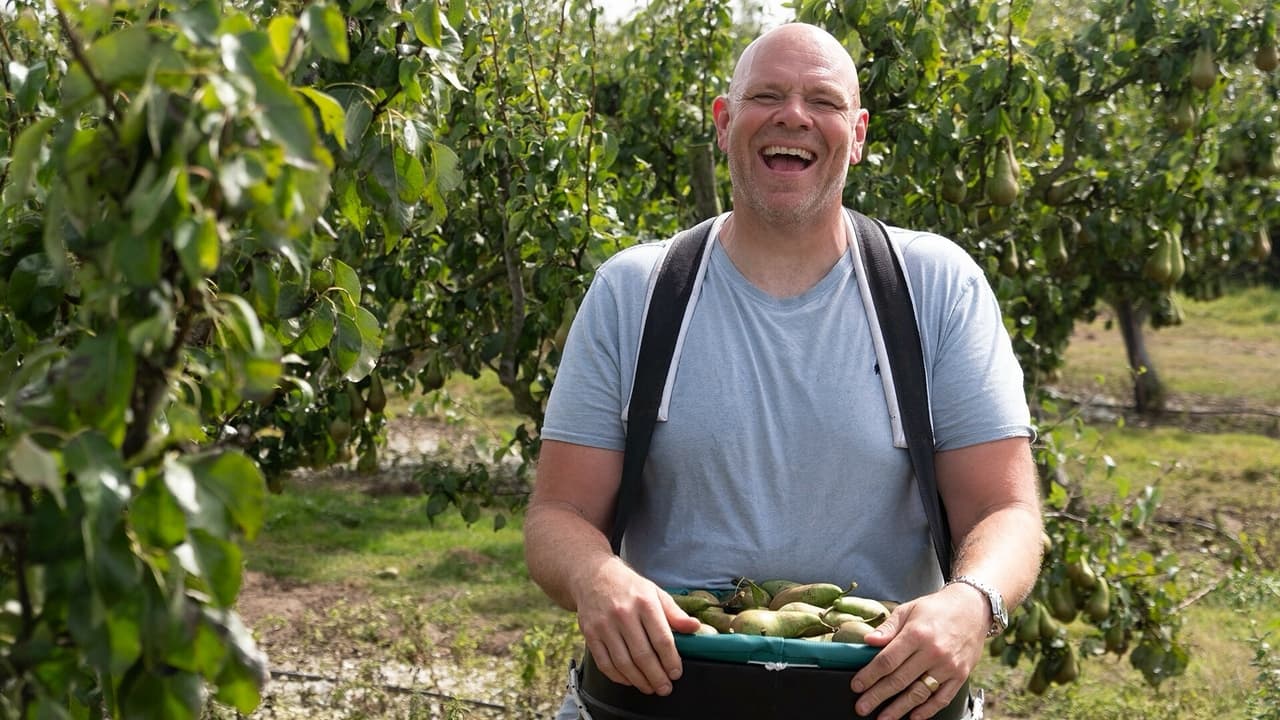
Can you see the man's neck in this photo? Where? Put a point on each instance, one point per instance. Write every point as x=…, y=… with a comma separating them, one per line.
x=784, y=261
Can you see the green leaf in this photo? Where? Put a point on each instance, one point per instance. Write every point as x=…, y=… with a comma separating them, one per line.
x=332, y=117
x=35, y=291
x=411, y=179
x=198, y=245
x=238, y=484
x=104, y=483
x=370, y=345
x=265, y=289
x=99, y=381
x=22, y=164
x=220, y=563
x=437, y=503
x=124, y=637
x=199, y=22
x=138, y=258
x=261, y=376
x=239, y=687
x=346, y=345
x=351, y=205
x=245, y=671
x=37, y=468
x=240, y=319
x=146, y=200
x=328, y=29
x=156, y=517
x=174, y=696
x=280, y=30
x=113, y=567
x=426, y=23
x=286, y=120
x=358, y=116
x=1019, y=13
x=282, y=116
x=124, y=59
x=318, y=331
x=28, y=83
x=204, y=653
x=202, y=509
x=444, y=168
x=346, y=279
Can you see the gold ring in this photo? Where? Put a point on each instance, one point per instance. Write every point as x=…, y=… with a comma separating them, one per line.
x=930, y=682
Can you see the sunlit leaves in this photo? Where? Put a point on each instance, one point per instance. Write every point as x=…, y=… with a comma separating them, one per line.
x=199, y=246
x=356, y=344
x=35, y=467
x=282, y=116
x=22, y=162
x=162, y=208
x=332, y=116
x=328, y=30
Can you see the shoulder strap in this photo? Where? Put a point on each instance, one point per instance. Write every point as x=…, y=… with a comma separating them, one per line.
x=892, y=299
x=662, y=322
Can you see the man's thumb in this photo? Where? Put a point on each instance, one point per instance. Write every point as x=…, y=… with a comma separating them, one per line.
x=883, y=633
x=677, y=618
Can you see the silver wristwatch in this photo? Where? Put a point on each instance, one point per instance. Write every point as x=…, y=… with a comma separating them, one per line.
x=999, y=615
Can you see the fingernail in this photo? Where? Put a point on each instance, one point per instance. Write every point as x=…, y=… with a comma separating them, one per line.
x=664, y=689
x=674, y=673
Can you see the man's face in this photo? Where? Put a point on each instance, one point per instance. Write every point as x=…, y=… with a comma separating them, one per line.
x=791, y=126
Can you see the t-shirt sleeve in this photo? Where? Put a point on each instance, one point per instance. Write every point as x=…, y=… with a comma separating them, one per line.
x=595, y=373
x=975, y=380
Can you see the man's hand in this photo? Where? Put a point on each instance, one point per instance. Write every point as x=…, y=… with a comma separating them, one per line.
x=627, y=622
x=939, y=636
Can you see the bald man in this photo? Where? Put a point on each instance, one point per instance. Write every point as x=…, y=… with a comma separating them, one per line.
x=776, y=457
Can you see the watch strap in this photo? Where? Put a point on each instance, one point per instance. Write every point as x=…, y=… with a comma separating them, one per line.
x=999, y=615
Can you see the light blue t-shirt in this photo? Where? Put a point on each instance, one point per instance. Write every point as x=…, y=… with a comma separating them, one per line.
x=777, y=459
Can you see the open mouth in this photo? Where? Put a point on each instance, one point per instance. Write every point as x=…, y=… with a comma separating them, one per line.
x=786, y=159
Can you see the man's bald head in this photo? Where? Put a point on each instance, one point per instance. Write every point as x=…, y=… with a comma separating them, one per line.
x=792, y=35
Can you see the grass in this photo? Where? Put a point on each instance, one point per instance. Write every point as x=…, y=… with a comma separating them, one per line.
x=333, y=532
x=456, y=587
x=1226, y=349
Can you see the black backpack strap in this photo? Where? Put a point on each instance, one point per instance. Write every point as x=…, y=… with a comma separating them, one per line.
x=663, y=318
x=892, y=299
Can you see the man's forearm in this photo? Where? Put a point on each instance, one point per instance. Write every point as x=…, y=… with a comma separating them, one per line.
x=1004, y=549
x=560, y=545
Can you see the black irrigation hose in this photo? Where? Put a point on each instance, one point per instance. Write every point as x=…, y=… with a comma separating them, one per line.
x=398, y=689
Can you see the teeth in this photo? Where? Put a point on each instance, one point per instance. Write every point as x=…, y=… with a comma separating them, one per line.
x=780, y=150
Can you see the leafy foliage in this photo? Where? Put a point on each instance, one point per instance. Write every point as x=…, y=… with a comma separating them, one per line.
x=173, y=319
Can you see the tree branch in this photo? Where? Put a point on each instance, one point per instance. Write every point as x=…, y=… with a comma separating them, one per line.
x=73, y=41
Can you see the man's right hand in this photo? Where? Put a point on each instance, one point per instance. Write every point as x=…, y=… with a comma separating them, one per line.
x=627, y=622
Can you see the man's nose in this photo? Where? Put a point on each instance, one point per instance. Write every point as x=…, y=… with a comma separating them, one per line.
x=793, y=112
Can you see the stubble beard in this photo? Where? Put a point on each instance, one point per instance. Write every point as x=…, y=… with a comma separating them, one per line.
x=794, y=212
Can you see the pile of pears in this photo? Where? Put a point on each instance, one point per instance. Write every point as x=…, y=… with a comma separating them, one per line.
x=821, y=612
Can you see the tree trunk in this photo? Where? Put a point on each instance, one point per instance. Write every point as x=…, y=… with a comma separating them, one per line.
x=1148, y=391
x=702, y=179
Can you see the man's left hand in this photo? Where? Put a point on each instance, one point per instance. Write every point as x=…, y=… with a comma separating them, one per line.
x=928, y=648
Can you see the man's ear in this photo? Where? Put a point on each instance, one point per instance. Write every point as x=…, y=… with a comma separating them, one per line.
x=858, y=126
x=720, y=113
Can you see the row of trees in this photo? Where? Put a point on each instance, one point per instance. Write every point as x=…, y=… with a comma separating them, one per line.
x=229, y=229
